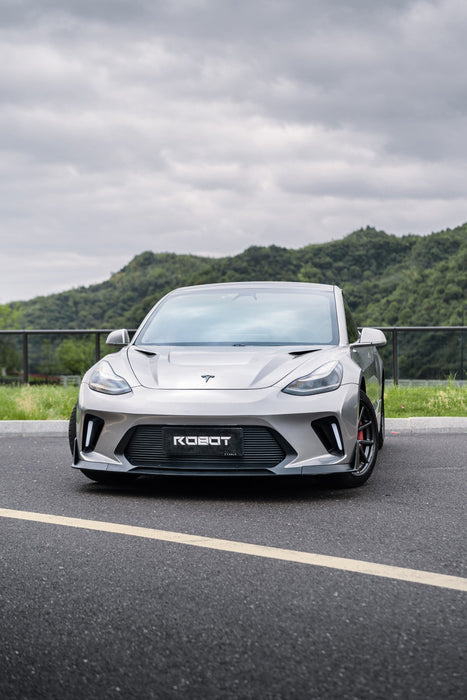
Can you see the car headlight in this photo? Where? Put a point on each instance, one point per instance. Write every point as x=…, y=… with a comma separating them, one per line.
x=328, y=377
x=106, y=381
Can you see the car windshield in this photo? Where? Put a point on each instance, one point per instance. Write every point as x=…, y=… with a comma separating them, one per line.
x=243, y=317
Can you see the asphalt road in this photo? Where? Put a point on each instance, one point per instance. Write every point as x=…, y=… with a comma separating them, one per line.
x=95, y=614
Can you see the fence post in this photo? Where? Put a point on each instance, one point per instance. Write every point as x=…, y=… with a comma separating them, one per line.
x=25, y=359
x=462, y=351
x=98, y=346
x=395, y=358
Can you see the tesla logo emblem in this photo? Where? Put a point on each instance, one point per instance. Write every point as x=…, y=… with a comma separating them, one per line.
x=207, y=377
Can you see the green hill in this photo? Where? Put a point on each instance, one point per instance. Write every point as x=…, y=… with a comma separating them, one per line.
x=388, y=280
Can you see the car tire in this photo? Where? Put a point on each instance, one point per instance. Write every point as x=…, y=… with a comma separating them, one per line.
x=72, y=428
x=366, y=448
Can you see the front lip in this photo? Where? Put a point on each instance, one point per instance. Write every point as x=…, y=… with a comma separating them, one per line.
x=290, y=416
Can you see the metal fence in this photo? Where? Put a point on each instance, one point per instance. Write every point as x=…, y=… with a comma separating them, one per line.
x=424, y=352
x=25, y=337
x=412, y=353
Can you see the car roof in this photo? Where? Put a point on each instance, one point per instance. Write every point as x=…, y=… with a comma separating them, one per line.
x=304, y=286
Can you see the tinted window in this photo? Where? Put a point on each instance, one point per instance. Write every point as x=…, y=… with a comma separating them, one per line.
x=250, y=317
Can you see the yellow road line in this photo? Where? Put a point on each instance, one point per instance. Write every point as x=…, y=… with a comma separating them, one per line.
x=428, y=578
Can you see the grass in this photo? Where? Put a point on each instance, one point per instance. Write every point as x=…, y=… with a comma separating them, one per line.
x=410, y=402
x=47, y=402
x=40, y=402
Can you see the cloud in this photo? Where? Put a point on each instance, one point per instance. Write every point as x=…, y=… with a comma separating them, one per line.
x=206, y=126
x=62, y=271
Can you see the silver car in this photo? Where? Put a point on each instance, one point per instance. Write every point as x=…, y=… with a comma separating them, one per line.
x=247, y=378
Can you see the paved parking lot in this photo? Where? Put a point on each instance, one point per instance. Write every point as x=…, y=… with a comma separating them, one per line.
x=110, y=612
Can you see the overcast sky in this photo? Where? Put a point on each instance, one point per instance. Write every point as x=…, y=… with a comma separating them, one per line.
x=207, y=126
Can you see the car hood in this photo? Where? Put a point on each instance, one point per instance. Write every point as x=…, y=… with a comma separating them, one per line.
x=218, y=367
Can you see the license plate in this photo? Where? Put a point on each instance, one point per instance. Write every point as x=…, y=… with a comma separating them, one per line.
x=215, y=442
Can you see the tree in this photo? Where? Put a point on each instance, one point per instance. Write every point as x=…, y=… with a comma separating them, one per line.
x=76, y=356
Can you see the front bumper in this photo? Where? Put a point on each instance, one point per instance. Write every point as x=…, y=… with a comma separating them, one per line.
x=300, y=427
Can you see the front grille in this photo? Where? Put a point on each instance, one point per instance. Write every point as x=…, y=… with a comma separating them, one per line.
x=262, y=449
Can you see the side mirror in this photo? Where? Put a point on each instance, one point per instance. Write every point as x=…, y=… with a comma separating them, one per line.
x=119, y=338
x=370, y=336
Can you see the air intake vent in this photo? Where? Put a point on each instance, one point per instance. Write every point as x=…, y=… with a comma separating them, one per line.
x=328, y=431
x=91, y=432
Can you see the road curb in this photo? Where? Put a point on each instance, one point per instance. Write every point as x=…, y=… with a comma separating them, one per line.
x=393, y=425
x=426, y=425
x=33, y=427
